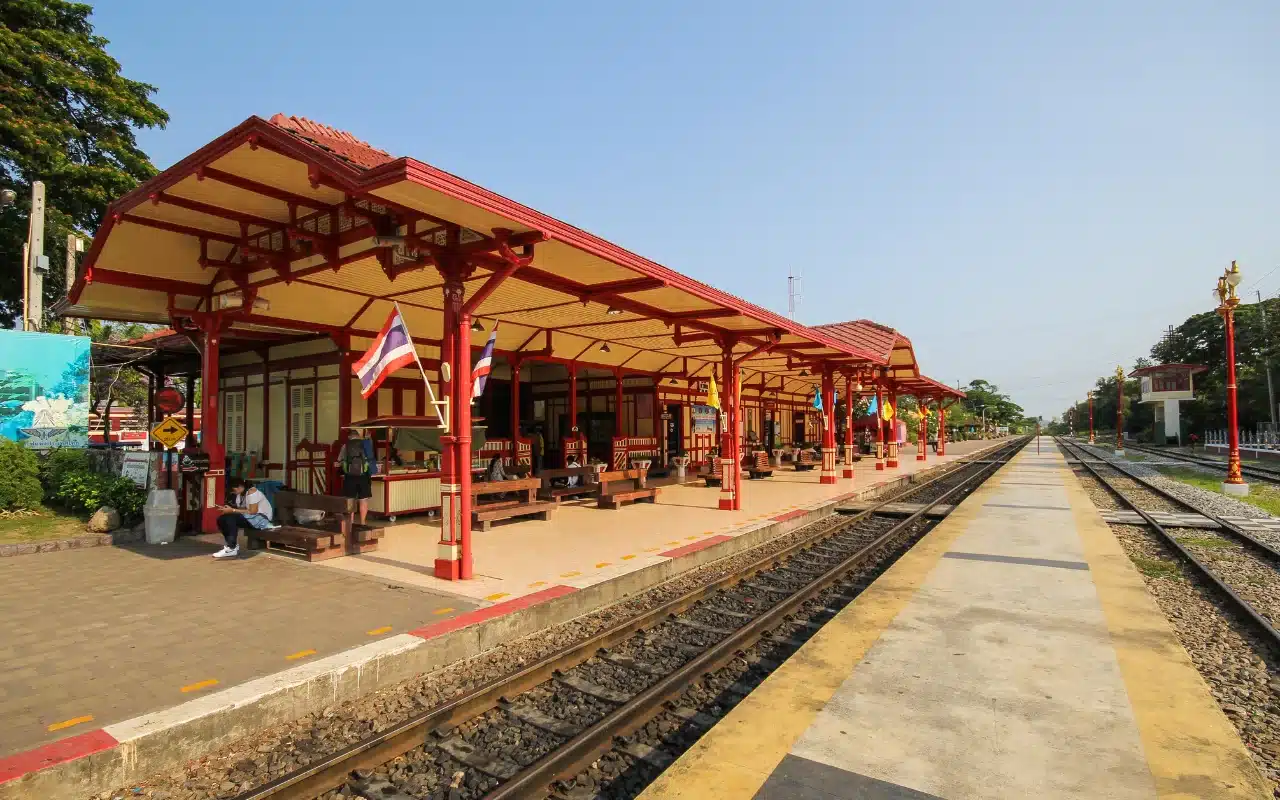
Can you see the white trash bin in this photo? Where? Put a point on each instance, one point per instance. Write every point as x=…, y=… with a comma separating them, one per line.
x=161, y=515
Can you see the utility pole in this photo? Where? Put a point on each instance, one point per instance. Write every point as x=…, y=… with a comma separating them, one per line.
x=794, y=296
x=74, y=244
x=37, y=263
x=1266, y=361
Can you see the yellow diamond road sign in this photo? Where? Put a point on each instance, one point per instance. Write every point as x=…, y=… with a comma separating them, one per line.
x=169, y=432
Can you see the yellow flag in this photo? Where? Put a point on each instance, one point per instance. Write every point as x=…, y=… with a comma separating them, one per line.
x=886, y=412
x=713, y=395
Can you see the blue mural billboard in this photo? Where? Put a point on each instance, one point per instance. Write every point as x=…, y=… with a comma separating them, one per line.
x=44, y=389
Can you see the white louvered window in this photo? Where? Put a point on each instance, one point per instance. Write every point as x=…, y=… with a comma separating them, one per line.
x=233, y=422
x=302, y=413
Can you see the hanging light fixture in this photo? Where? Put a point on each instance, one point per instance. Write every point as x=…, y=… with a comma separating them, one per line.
x=604, y=348
x=476, y=326
x=612, y=311
x=675, y=382
x=804, y=373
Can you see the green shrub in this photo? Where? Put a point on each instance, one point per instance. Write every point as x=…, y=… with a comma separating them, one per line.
x=79, y=489
x=58, y=462
x=19, y=477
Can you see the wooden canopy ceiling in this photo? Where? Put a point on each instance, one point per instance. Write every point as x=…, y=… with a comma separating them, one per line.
x=290, y=212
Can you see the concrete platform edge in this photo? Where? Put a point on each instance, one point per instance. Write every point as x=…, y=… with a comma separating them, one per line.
x=165, y=740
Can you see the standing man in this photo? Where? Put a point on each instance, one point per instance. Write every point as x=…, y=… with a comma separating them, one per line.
x=537, y=446
x=357, y=467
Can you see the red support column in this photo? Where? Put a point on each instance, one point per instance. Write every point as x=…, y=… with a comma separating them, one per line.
x=515, y=412
x=942, y=429
x=215, y=481
x=891, y=458
x=731, y=474
x=879, y=415
x=922, y=438
x=453, y=553
x=848, y=427
x=828, y=475
x=572, y=443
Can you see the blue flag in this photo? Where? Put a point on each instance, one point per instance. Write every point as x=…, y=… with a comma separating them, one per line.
x=871, y=407
x=817, y=399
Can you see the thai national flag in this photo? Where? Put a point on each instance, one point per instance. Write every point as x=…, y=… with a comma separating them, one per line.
x=391, y=350
x=480, y=374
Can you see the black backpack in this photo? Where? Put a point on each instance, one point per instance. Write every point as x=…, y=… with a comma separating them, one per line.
x=354, y=460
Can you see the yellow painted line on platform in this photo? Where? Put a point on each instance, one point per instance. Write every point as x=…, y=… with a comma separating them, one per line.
x=690, y=538
x=195, y=687
x=536, y=584
x=440, y=611
x=572, y=574
x=299, y=654
x=652, y=549
x=497, y=596
x=379, y=631
x=673, y=543
x=67, y=723
x=707, y=533
x=628, y=557
x=602, y=564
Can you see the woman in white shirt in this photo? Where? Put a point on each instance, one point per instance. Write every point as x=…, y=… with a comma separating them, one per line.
x=249, y=509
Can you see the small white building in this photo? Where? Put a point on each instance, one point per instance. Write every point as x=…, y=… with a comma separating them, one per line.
x=1165, y=386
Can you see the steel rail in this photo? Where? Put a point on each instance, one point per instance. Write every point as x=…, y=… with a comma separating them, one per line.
x=1270, y=551
x=580, y=751
x=333, y=770
x=1241, y=606
x=1270, y=476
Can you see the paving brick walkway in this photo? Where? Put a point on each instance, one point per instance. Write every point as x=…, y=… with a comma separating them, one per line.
x=112, y=632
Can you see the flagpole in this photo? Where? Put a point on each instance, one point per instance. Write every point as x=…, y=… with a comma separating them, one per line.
x=444, y=423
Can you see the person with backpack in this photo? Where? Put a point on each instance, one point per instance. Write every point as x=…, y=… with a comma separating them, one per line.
x=357, y=465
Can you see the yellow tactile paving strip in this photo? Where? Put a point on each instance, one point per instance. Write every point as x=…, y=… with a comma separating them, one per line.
x=1191, y=748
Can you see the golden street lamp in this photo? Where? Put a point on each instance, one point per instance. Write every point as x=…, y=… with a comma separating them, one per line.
x=1119, y=411
x=1225, y=294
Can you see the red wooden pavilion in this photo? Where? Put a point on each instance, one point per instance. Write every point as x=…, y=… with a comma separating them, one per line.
x=300, y=237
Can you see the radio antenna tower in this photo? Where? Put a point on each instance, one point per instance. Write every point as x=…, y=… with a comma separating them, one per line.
x=794, y=295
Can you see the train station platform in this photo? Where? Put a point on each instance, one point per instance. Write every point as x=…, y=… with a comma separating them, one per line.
x=120, y=662
x=1013, y=653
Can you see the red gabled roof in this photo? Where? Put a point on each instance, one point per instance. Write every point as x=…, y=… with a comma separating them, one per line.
x=866, y=335
x=342, y=144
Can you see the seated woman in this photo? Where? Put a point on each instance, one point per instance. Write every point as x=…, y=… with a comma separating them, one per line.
x=495, y=472
x=249, y=509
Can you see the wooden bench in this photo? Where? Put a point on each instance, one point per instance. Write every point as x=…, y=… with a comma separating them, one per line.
x=336, y=535
x=758, y=466
x=805, y=461
x=714, y=472
x=526, y=504
x=625, y=486
x=587, y=485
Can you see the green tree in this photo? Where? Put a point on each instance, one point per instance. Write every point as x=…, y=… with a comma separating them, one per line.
x=67, y=117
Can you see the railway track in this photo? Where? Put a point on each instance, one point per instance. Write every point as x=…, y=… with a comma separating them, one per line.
x=1205, y=550
x=604, y=716
x=1267, y=475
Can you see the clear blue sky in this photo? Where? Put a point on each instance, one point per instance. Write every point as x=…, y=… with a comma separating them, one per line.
x=1031, y=192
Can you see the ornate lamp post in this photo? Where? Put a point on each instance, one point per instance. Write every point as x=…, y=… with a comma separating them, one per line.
x=1119, y=411
x=1091, y=440
x=1225, y=293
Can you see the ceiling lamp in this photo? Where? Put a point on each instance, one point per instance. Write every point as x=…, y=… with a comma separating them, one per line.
x=675, y=382
x=604, y=348
x=476, y=326
x=612, y=311
x=804, y=373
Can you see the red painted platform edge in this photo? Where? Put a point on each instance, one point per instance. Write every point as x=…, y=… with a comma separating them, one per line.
x=783, y=517
x=695, y=547
x=59, y=752
x=492, y=612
